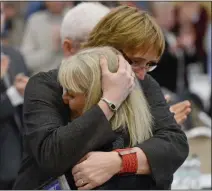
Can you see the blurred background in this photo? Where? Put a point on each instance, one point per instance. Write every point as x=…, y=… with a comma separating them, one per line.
x=184, y=70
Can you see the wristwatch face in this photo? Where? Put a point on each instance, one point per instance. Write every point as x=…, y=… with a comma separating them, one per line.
x=113, y=107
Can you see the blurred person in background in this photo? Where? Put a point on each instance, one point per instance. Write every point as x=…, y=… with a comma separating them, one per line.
x=208, y=48
x=48, y=136
x=33, y=7
x=166, y=73
x=195, y=15
x=178, y=54
x=12, y=85
x=143, y=5
x=209, y=60
x=41, y=45
x=14, y=24
x=110, y=4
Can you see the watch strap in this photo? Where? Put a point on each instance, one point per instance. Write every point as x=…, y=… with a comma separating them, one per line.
x=129, y=160
x=111, y=105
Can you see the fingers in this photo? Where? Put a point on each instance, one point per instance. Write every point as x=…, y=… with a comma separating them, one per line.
x=181, y=111
x=77, y=176
x=179, y=107
x=168, y=98
x=181, y=117
x=123, y=64
x=180, y=120
x=86, y=187
x=132, y=84
x=128, y=68
x=75, y=169
x=104, y=65
x=81, y=182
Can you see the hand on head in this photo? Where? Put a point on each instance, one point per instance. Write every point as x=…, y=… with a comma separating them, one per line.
x=117, y=86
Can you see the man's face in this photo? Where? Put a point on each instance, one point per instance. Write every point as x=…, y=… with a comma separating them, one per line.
x=141, y=63
x=71, y=47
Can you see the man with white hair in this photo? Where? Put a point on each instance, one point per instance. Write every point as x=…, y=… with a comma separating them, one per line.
x=49, y=137
x=78, y=23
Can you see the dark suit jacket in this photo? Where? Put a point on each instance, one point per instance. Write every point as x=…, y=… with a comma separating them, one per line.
x=17, y=65
x=54, y=146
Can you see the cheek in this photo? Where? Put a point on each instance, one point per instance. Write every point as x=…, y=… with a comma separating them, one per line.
x=140, y=73
x=72, y=105
x=76, y=105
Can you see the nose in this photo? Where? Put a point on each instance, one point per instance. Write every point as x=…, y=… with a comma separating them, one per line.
x=140, y=73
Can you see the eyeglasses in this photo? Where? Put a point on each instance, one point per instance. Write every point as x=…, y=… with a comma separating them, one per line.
x=150, y=66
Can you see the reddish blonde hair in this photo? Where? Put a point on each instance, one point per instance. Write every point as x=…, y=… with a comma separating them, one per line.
x=128, y=28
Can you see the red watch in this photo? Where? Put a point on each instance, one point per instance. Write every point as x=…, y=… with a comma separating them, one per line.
x=129, y=160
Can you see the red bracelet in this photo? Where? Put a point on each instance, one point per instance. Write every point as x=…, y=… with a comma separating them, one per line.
x=129, y=160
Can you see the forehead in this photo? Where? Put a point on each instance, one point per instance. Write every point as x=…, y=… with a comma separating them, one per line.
x=150, y=55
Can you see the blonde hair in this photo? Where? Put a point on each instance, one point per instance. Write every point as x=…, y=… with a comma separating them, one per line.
x=81, y=73
x=128, y=28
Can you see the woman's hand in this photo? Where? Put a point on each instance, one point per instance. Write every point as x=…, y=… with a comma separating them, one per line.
x=95, y=169
x=181, y=110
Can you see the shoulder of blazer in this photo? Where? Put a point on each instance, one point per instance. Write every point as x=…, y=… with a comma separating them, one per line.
x=49, y=77
x=45, y=87
x=45, y=84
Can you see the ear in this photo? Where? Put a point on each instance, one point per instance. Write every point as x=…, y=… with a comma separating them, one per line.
x=65, y=98
x=68, y=47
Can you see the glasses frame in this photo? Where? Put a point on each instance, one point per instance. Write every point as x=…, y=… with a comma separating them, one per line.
x=148, y=67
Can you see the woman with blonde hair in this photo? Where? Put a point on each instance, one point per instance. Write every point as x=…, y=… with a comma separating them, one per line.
x=77, y=147
x=140, y=40
x=80, y=75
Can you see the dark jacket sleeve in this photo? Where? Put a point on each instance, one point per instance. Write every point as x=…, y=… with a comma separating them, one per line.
x=6, y=109
x=168, y=148
x=54, y=144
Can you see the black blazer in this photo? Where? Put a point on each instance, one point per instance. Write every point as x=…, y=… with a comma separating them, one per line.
x=54, y=146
